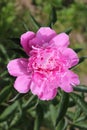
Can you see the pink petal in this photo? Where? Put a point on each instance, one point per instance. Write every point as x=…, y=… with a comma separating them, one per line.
x=45, y=34
x=22, y=84
x=35, y=42
x=48, y=95
x=44, y=88
x=42, y=91
x=68, y=81
x=61, y=40
x=71, y=56
x=18, y=67
x=25, y=39
x=36, y=85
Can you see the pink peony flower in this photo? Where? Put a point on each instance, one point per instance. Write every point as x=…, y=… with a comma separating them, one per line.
x=48, y=67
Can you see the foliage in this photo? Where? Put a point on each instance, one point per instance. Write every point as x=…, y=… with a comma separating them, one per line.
x=24, y=111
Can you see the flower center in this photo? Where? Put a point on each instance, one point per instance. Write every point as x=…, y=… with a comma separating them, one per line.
x=46, y=60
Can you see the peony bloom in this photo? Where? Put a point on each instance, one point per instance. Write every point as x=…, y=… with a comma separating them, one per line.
x=48, y=65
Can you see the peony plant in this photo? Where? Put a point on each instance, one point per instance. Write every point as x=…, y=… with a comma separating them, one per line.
x=47, y=93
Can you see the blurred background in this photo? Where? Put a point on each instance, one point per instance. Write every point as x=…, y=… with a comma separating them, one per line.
x=15, y=19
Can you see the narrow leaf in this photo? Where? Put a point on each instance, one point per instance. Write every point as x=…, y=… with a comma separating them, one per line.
x=52, y=113
x=78, y=50
x=62, y=107
x=81, y=103
x=62, y=125
x=33, y=24
x=4, y=93
x=39, y=117
x=53, y=17
x=16, y=119
x=70, y=115
x=4, y=52
x=81, y=88
x=68, y=31
x=18, y=96
x=78, y=112
x=71, y=103
x=25, y=26
x=17, y=116
x=82, y=59
x=8, y=111
x=28, y=103
x=82, y=118
x=82, y=125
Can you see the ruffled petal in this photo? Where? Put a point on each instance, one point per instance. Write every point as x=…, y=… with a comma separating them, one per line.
x=45, y=89
x=48, y=95
x=68, y=81
x=61, y=40
x=25, y=39
x=18, y=67
x=70, y=56
x=45, y=34
x=22, y=84
x=42, y=91
x=36, y=84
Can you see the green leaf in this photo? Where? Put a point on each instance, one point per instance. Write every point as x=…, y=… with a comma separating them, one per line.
x=18, y=96
x=77, y=114
x=4, y=93
x=78, y=50
x=52, y=17
x=4, y=125
x=80, y=102
x=8, y=111
x=56, y=3
x=68, y=31
x=25, y=26
x=82, y=118
x=15, y=120
x=52, y=113
x=62, y=107
x=70, y=115
x=82, y=125
x=29, y=102
x=39, y=117
x=71, y=103
x=81, y=88
x=33, y=24
x=82, y=59
x=4, y=52
x=62, y=125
